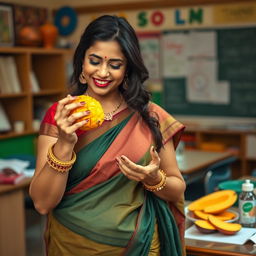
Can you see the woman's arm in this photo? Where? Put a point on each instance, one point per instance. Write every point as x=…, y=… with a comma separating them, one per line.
x=175, y=184
x=150, y=174
x=48, y=185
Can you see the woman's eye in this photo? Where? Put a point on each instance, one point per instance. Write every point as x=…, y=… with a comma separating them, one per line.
x=115, y=66
x=93, y=62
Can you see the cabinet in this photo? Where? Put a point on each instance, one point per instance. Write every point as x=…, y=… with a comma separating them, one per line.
x=49, y=67
x=235, y=141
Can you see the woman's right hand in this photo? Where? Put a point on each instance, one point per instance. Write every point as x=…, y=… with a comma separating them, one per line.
x=66, y=122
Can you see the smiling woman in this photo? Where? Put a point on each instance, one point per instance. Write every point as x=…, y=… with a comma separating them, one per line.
x=115, y=189
x=103, y=71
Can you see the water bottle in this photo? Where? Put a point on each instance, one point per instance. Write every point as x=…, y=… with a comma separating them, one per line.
x=247, y=205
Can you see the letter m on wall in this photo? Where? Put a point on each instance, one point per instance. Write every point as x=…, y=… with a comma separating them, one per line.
x=196, y=16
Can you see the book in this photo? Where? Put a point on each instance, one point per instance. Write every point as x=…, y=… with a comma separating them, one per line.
x=9, y=176
x=4, y=82
x=12, y=74
x=2, y=86
x=5, y=124
x=34, y=82
x=8, y=73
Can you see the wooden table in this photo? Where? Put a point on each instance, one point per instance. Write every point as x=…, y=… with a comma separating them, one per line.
x=205, y=248
x=195, y=160
x=12, y=219
x=193, y=163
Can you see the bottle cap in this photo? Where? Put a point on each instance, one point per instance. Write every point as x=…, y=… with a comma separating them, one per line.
x=247, y=186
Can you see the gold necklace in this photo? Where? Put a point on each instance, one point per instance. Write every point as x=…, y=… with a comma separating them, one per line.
x=109, y=116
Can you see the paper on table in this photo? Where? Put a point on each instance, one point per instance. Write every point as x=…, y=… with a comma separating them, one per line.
x=253, y=238
x=29, y=172
x=16, y=164
x=239, y=238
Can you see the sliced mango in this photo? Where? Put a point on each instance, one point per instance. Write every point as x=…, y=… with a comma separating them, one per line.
x=224, y=227
x=215, y=202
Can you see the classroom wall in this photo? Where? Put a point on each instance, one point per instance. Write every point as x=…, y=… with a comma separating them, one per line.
x=79, y=3
x=178, y=18
x=46, y=3
x=230, y=15
x=53, y=4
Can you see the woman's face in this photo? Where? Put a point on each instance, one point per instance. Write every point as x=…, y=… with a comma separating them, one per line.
x=104, y=68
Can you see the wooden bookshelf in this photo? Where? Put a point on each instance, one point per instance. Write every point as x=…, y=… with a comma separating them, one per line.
x=49, y=66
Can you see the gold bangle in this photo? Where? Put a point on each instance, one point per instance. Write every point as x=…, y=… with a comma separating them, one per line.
x=158, y=186
x=57, y=164
x=58, y=168
x=58, y=161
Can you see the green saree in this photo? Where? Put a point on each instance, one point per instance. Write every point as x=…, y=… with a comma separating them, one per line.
x=102, y=210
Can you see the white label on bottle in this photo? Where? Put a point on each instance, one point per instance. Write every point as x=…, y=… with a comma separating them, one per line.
x=247, y=211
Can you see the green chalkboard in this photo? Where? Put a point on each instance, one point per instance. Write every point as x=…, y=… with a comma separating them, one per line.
x=236, y=56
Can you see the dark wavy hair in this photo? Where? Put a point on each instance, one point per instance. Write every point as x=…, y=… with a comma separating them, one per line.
x=107, y=28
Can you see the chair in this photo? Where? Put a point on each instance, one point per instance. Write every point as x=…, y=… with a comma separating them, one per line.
x=216, y=173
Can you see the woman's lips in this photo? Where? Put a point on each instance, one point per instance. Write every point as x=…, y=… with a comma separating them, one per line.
x=101, y=83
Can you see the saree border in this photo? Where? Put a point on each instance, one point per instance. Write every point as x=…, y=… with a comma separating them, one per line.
x=117, y=148
x=87, y=137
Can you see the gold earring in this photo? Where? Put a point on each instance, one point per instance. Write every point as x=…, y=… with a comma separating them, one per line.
x=125, y=82
x=82, y=78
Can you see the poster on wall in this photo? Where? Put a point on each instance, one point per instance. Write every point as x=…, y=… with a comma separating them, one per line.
x=202, y=44
x=174, y=55
x=150, y=50
x=202, y=86
x=201, y=82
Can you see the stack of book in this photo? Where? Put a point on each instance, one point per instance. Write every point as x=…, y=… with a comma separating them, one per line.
x=9, y=176
x=12, y=171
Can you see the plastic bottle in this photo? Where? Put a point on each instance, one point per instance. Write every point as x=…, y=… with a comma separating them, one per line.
x=247, y=205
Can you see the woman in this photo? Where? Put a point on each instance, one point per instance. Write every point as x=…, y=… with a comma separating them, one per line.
x=118, y=182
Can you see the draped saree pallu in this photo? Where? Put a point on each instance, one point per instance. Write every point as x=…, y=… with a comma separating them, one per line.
x=103, y=212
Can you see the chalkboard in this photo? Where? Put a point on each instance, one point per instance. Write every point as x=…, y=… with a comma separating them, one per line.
x=236, y=56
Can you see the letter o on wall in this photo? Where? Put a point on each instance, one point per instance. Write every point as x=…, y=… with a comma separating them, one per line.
x=157, y=18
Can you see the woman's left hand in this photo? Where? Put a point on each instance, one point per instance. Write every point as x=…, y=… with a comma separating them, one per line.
x=148, y=174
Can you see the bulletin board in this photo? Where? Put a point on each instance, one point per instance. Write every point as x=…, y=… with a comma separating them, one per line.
x=236, y=65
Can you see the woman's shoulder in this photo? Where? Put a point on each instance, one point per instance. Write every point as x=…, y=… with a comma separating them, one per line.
x=169, y=126
x=50, y=113
x=49, y=126
x=160, y=111
x=163, y=116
